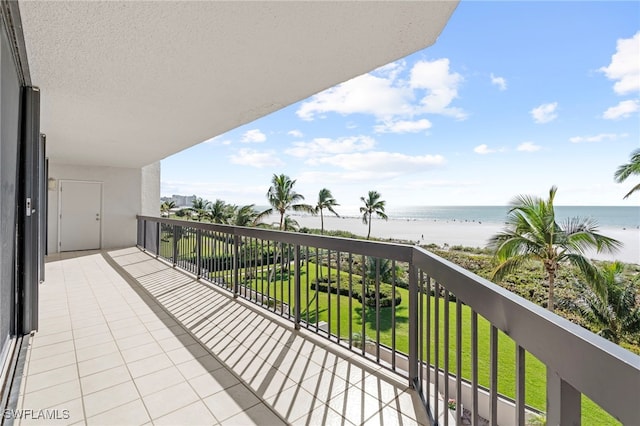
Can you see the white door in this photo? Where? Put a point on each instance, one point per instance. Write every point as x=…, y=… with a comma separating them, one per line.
x=80, y=215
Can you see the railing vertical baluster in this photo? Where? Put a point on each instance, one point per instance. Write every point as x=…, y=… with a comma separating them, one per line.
x=377, y=310
x=493, y=373
x=414, y=380
x=474, y=368
x=364, y=306
x=158, y=237
x=175, y=245
x=199, y=253
x=317, y=315
x=421, y=321
x=427, y=290
x=436, y=347
x=296, y=261
x=306, y=266
x=144, y=235
x=520, y=389
x=350, y=299
x=329, y=294
x=269, y=263
x=458, y=361
x=446, y=355
x=393, y=315
x=338, y=296
x=236, y=272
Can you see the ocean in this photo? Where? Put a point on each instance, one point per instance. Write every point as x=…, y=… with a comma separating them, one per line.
x=605, y=216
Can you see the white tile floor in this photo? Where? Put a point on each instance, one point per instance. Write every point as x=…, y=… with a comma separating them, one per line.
x=154, y=346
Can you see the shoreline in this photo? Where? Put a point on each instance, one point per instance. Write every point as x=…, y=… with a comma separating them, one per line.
x=452, y=232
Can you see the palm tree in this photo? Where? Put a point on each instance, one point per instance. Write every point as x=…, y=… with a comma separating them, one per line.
x=290, y=224
x=372, y=204
x=244, y=216
x=200, y=206
x=626, y=170
x=282, y=198
x=218, y=212
x=166, y=207
x=533, y=233
x=616, y=312
x=325, y=201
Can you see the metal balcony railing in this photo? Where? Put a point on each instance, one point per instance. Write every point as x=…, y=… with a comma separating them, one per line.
x=443, y=328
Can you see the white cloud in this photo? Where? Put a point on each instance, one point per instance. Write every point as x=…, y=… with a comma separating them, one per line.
x=253, y=158
x=623, y=110
x=597, y=138
x=483, y=149
x=295, y=133
x=441, y=85
x=383, y=94
x=625, y=66
x=253, y=136
x=326, y=146
x=499, y=81
x=529, y=147
x=379, y=163
x=545, y=113
x=403, y=126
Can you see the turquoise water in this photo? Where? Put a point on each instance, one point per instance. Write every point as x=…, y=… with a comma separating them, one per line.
x=609, y=216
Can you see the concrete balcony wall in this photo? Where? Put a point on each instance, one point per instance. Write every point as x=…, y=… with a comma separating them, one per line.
x=126, y=192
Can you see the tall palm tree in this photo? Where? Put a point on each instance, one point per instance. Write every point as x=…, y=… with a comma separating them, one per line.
x=533, y=233
x=200, y=206
x=372, y=205
x=626, y=170
x=616, y=312
x=325, y=201
x=282, y=198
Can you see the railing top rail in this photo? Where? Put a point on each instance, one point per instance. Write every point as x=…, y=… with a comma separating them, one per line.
x=581, y=358
x=393, y=251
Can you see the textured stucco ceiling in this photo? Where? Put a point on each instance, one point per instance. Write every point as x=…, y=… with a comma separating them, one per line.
x=129, y=83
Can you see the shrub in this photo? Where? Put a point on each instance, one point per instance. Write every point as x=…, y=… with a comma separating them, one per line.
x=385, y=295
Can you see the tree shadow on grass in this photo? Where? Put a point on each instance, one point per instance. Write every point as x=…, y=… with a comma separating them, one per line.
x=386, y=314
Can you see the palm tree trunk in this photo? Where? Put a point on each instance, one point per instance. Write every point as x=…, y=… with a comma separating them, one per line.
x=552, y=277
x=321, y=223
x=369, y=233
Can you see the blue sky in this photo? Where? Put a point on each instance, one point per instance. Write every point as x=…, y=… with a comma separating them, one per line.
x=513, y=98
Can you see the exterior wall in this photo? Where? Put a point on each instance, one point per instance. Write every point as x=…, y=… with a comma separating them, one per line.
x=122, y=199
x=151, y=190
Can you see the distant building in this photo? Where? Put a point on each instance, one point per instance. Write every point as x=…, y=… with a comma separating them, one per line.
x=180, y=200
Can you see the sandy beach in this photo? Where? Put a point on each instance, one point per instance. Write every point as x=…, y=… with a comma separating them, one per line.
x=469, y=234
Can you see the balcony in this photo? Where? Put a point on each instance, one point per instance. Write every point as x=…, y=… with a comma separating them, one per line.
x=127, y=339
x=218, y=324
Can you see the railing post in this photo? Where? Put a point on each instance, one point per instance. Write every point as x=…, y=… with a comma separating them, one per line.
x=199, y=253
x=296, y=294
x=236, y=260
x=563, y=402
x=175, y=245
x=414, y=316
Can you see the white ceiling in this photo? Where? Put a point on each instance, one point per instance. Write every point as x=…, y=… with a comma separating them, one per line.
x=129, y=83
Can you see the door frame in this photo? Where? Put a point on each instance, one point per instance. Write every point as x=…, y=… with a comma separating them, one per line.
x=60, y=182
